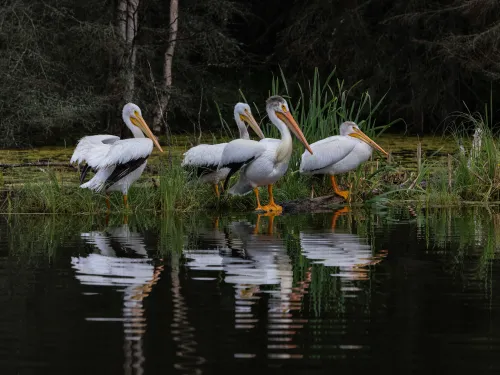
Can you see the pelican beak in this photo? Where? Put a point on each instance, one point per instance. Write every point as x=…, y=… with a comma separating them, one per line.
x=288, y=119
x=360, y=135
x=250, y=120
x=139, y=122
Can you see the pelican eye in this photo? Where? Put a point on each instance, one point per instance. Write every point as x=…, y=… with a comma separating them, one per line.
x=283, y=108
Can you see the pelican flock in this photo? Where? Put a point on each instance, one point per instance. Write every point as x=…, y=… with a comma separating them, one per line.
x=118, y=163
x=206, y=158
x=339, y=154
x=264, y=162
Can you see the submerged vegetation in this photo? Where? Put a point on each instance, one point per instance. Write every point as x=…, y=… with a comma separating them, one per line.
x=466, y=170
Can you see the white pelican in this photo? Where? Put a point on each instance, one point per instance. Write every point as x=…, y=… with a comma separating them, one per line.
x=118, y=162
x=266, y=161
x=339, y=154
x=206, y=158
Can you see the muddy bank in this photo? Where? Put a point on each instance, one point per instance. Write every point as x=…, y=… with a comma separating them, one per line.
x=318, y=204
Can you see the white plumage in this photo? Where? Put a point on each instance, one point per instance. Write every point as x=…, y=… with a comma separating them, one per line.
x=118, y=163
x=339, y=154
x=335, y=155
x=92, y=149
x=206, y=158
x=260, y=164
x=264, y=162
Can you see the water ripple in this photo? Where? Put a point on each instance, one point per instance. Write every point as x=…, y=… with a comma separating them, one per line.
x=120, y=261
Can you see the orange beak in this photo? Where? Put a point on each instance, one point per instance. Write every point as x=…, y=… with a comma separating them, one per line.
x=290, y=122
x=360, y=135
x=250, y=120
x=139, y=121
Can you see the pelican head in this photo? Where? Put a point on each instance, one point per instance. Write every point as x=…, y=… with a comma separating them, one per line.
x=244, y=113
x=279, y=106
x=350, y=129
x=132, y=116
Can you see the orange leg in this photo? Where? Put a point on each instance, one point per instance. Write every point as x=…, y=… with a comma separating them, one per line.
x=108, y=204
x=259, y=207
x=216, y=188
x=125, y=200
x=343, y=193
x=272, y=206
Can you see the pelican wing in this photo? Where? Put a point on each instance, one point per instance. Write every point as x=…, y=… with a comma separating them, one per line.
x=204, y=156
x=327, y=152
x=122, y=170
x=92, y=147
x=123, y=151
x=238, y=153
x=114, y=157
x=112, y=162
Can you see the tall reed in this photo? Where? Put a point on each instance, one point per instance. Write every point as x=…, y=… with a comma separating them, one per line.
x=320, y=107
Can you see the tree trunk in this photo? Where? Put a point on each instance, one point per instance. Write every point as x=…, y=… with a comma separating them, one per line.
x=160, y=113
x=131, y=49
x=123, y=81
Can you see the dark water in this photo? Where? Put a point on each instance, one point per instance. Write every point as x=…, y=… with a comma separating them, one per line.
x=399, y=290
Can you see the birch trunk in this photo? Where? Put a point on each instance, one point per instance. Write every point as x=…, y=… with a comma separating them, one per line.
x=132, y=25
x=160, y=113
x=127, y=30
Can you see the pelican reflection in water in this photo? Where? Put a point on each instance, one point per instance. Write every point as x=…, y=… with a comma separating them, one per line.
x=346, y=251
x=120, y=260
x=256, y=264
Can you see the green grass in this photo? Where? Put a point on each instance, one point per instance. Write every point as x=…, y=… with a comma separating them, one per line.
x=319, y=107
x=470, y=174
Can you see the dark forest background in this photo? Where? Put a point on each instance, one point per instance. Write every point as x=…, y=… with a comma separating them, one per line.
x=67, y=66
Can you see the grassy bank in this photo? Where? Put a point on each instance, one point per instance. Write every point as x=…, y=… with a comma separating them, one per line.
x=449, y=170
x=469, y=174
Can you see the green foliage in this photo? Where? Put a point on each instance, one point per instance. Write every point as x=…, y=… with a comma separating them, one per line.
x=470, y=174
x=322, y=106
x=477, y=171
